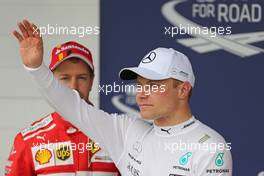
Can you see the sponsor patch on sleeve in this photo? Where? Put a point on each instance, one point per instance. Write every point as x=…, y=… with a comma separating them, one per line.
x=44, y=122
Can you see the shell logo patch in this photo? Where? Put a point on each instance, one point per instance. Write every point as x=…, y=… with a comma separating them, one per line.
x=43, y=156
x=52, y=154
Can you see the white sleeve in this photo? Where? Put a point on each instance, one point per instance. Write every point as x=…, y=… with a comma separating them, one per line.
x=109, y=130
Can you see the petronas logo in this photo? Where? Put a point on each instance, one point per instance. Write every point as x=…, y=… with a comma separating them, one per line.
x=219, y=161
x=185, y=158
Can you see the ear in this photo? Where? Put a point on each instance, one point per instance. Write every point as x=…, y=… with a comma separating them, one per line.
x=184, y=90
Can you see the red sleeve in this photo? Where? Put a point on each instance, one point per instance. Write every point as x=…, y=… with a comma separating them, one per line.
x=20, y=160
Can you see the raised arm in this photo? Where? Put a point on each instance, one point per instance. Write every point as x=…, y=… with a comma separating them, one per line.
x=108, y=130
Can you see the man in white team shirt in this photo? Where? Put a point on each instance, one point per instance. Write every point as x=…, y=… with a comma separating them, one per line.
x=176, y=144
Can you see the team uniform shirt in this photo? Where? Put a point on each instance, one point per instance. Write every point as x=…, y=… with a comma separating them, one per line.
x=53, y=146
x=137, y=147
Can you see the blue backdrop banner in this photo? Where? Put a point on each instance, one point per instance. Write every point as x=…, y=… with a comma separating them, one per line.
x=224, y=41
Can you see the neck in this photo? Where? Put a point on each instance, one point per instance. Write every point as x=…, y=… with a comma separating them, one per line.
x=174, y=118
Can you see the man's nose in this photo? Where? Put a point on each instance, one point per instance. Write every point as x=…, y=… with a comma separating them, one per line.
x=142, y=94
x=74, y=84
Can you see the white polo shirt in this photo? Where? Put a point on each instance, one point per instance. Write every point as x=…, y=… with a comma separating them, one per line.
x=137, y=147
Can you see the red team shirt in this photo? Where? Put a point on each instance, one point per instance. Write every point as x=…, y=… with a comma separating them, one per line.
x=53, y=146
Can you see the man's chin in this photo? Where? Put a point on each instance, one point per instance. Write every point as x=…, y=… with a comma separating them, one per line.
x=147, y=116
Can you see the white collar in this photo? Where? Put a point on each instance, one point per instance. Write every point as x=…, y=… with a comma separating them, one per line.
x=170, y=130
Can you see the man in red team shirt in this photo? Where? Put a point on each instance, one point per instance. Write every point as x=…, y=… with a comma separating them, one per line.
x=53, y=146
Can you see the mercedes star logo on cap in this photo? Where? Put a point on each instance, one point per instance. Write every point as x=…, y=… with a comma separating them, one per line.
x=149, y=58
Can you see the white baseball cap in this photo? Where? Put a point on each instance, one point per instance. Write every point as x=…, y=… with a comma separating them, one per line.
x=160, y=64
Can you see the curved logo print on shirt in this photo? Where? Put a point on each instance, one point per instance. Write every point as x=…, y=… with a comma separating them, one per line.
x=219, y=161
x=185, y=158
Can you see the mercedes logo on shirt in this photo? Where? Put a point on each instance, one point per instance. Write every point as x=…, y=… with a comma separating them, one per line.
x=137, y=147
x=151, y=56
